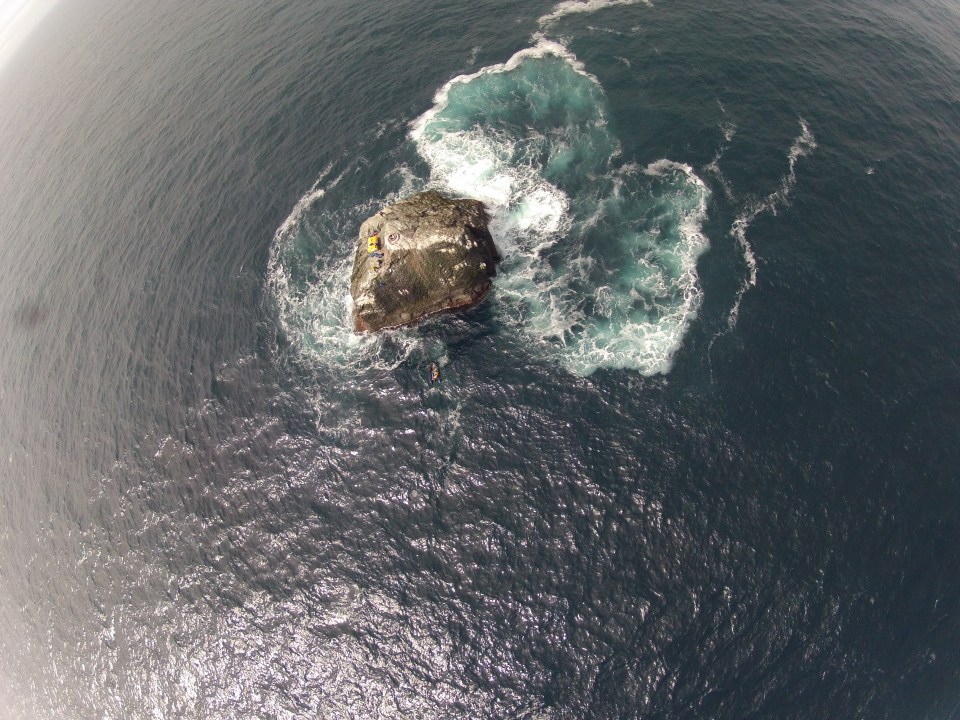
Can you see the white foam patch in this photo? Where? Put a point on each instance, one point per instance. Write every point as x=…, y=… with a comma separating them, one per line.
x=410, y=183
x=303, y=204
x=316, y=192
x=574, y=7
x=318, y=321
x=542, y=48
x=316, y=315
x=804, y=144
x=480, y=164
x=636, y=342
x=548, y=288
x=729, y=129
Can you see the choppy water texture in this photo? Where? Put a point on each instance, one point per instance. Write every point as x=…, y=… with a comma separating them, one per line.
x=693, y=457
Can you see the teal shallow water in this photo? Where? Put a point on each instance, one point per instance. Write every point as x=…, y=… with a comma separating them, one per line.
x=695, y=456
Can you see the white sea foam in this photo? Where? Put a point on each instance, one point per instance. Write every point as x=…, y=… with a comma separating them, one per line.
x=651, y=346
x=804, y=144
x=543, y=47
x=662, y=167
x=572, y=7
x=550, y=286
x=315, y=309
x=713, y=167
x=728, y=130
x=480, y=163
x=639, y=320
x=317, y=191
x=303, y=204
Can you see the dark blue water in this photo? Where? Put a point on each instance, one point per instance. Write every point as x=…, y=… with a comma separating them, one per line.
x=695, y=456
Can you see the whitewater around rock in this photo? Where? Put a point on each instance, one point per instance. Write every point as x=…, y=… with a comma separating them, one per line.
x=599, y=251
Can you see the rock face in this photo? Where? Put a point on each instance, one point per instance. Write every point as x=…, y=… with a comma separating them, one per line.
x=421, y=256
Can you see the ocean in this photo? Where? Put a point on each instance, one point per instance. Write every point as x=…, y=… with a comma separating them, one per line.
x=695, y=455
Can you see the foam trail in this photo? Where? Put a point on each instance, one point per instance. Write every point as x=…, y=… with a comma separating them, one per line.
x=303, y=204
x=804, y=144
x=571, y=7
x=728, y=129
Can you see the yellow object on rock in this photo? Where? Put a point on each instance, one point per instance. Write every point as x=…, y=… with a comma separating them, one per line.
x=373, y=243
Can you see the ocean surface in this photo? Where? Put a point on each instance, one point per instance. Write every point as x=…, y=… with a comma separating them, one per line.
x=697, y=455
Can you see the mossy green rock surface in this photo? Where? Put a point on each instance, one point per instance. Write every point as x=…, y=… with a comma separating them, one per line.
x=435, y=254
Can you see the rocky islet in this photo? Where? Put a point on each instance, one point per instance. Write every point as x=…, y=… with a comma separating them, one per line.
x=420, y=256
